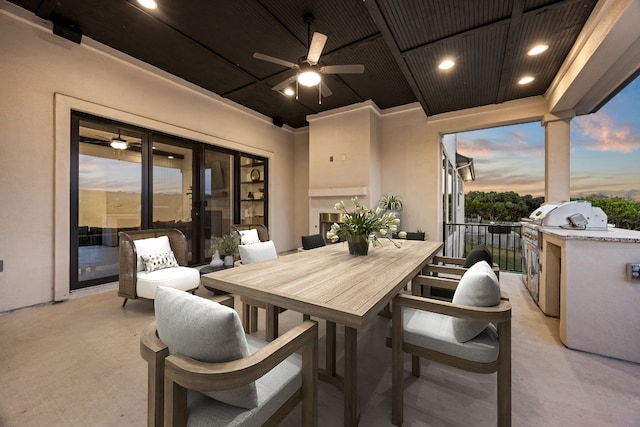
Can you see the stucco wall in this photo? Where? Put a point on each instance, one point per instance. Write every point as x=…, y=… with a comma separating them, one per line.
x=42, y=78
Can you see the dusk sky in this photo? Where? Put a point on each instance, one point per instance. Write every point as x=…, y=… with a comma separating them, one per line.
x=605, y=152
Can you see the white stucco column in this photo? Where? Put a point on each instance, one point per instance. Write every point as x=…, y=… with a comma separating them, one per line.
x=557, y=183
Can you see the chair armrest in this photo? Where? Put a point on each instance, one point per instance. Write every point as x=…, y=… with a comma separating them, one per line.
x=128, y=273
x=495, y=314
x=150, y=344
x=154, y=352
x=436, y=282
x=202, y=376
x=448, y=260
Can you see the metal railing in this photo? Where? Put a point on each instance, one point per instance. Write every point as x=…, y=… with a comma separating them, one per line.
x=502, y=240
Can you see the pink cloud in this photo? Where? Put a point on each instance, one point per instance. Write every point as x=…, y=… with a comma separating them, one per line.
x=605, y=135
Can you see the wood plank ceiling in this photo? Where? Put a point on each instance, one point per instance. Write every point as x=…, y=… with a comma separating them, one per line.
x=211, y=44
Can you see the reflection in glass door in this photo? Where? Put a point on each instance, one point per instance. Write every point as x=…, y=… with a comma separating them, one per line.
x=173, y=189
x=108, y=199
x=218, y=188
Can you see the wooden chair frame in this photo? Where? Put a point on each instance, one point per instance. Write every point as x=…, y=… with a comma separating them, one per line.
x=499, y=315
x=171, y=376
x=154, y=352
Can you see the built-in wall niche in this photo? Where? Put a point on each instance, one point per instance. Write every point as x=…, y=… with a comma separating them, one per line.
x=252, y=173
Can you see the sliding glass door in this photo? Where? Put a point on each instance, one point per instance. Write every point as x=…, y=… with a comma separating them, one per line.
x=108, y=194
x=125, y=178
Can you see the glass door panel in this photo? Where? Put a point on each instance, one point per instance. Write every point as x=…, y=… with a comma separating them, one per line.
x=172, y=186
x=218, y=190
x=109, y=198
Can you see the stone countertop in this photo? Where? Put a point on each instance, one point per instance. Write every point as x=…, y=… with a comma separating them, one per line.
x=610, y=235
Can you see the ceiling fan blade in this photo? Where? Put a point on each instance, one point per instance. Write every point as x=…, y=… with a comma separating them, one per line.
x=325, y=90
x=285, y=83
x=315, y=48
x=342, y=69
x=274, y=60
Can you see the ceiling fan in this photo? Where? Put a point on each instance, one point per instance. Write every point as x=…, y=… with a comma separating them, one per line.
x=309, y=72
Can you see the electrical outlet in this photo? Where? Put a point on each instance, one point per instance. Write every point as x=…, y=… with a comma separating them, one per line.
x=633, y=272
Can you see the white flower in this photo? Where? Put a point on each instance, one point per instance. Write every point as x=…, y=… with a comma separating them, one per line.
x=393, y=228
x=402, y=234
x=339, y=206
x=383, y=232
x=378, y=211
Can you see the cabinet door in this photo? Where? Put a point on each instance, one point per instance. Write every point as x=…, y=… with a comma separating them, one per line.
x=253, y=194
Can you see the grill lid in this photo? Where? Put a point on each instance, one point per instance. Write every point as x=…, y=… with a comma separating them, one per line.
x=577, y=215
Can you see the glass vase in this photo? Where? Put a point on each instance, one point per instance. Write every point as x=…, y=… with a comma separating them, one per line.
x=358, y=244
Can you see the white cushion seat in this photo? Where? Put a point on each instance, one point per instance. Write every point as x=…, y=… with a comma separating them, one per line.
x=181, y=278
x=273, y=389
x=435, y=331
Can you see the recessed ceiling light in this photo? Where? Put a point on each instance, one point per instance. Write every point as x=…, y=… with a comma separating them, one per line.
x=289, y=92
x=538, y=49
x=525, y=80
x=170, y=157
x=446, y=64
x=149, y=4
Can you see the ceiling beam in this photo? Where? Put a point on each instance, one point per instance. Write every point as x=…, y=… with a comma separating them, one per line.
x=381, y=23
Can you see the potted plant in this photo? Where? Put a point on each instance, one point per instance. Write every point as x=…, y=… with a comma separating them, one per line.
x=227, y=246
x=361, y=226
x=391, y=203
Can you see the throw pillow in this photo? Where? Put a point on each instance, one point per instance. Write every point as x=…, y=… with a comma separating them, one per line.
x=257, y=252
x=479, y=287
x=478, y=253
x=159, y=261
x=151, y=246
x=249, y=237
x=206, y=331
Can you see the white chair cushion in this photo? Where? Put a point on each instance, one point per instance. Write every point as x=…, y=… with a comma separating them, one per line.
x=151, y=246
x=249, y=237
x=206, y=331
x=257, y=252
x=478, y=287
x=274, y=388
x=435, y=331
x=181, y=278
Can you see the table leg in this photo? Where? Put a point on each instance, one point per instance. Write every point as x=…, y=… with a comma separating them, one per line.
x=351, y=409
x=271, y=328
x=330, y=353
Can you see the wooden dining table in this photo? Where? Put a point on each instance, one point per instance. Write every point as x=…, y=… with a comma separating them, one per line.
x=330, y=284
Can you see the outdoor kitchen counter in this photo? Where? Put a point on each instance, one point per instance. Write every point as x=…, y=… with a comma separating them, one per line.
x=610, y=235
x=583, y=279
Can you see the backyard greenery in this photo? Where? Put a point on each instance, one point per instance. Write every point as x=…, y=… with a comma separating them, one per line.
x=511, y=207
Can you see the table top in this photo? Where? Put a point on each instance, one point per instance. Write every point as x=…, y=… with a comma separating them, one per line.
x=329, y=283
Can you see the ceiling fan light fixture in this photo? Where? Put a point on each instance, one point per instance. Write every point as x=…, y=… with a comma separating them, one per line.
x=119, y=144
x=308, y=78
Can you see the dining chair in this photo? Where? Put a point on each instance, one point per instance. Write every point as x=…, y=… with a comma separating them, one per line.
x=253, y=249
x=472, y=333
x=452, y=268
x=152, y=258
x=312, y=241
x=204, y=370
